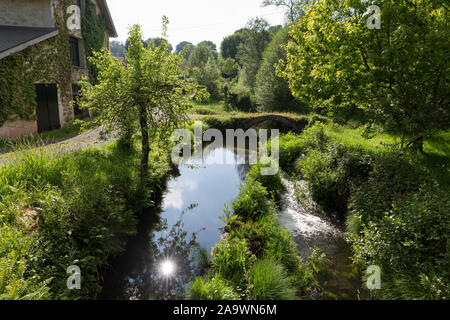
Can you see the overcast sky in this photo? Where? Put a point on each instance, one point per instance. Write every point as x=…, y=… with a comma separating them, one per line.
x=190, y=20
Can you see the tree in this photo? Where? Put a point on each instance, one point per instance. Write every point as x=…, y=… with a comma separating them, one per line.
x=203, y=68
x=150, y=92
x=272, y=92
x=180, y=47
x=250, y=51
x=200, y=56
x=230, y=44
x=212, y=45
x=158, y=42
x=398, y=75
x=294, y=8
x=229, y=67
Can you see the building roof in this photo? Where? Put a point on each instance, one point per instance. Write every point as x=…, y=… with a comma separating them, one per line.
x=108, y=19
x=14, y=39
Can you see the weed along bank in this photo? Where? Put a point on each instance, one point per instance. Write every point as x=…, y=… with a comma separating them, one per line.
x=43, y=55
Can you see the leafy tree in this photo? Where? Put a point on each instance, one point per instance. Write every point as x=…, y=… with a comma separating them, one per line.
x=230, y=44
x=250, y=51
x=272, y=92
x=229, y=67
x=158, y=42
x=398, y=75
x=150, y=92
x=200, y=56
x=212, y=45
x=294, y=8
x=180, y=47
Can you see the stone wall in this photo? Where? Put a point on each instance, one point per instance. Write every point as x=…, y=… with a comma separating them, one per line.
x=18, y=128
x=26, y=13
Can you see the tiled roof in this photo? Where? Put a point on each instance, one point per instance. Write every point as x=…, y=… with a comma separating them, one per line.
x=14, y=39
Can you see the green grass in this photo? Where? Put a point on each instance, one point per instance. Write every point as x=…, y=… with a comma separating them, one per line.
x=47, y=137
x=270, y=281
x=210, y=108
x=60, y=209
x=214, y=289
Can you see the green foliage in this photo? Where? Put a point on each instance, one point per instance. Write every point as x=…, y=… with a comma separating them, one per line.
x=158, y=42
x=395, y=206
x=49, y=60
x=272, y=92
x=229, y=67
x=214, y=289
x=93, y=29
x=250, y=52
x=270, y=281
x=181, y=46
x=279, y=245
x=252, y=201
x=230, y=44
x=232, y=260
x=212, y=46
x=17, y=91
x=200, y=56
x=13, y=286
x=411, y=243
x=273, y=183
x=398, y=75
x=58, y=210
x=129, y=96
x=240, y=95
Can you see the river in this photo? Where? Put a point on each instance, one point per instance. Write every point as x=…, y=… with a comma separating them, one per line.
x=164, y=256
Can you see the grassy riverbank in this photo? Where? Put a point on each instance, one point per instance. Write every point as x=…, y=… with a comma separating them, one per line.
x=257, y=259
x=58, y=210
x=394, y=206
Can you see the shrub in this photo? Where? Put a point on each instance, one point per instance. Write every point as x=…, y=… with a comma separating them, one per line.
x=272, y=183
x=410, y=243
x=270, y=281
x=252, y=201
x=77, y=208
x=214, y=289
x=280, y=246
x=232, y=261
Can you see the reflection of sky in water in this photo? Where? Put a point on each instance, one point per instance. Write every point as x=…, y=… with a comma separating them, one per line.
x=207, y=184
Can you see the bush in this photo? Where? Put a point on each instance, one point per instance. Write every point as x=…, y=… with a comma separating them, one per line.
x=232, y=260
x=279, y=245
x=214, y=289
x=270, y=281
x=272, y=183
x=252, y=201
x=72, y=209
x=241, y=97
x=410, y=243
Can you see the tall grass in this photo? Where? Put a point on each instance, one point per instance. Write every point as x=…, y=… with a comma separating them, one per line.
x=73, y=208
x=270, y=281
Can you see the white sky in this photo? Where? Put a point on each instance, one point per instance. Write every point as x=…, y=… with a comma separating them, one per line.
x=190, y=20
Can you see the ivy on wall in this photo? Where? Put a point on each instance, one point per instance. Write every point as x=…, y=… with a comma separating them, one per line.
x=93, y=29
x=48, y=61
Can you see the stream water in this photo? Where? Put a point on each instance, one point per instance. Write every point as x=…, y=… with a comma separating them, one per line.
x=164, y=256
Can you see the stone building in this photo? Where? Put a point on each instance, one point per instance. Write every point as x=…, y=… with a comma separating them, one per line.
x=42, y=25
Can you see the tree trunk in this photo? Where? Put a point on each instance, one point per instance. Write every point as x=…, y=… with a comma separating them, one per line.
x=145, y=141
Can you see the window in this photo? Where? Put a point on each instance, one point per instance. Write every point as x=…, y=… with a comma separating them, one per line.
x=74, y=52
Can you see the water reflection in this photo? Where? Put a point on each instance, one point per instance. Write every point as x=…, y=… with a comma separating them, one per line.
x=162, y=259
